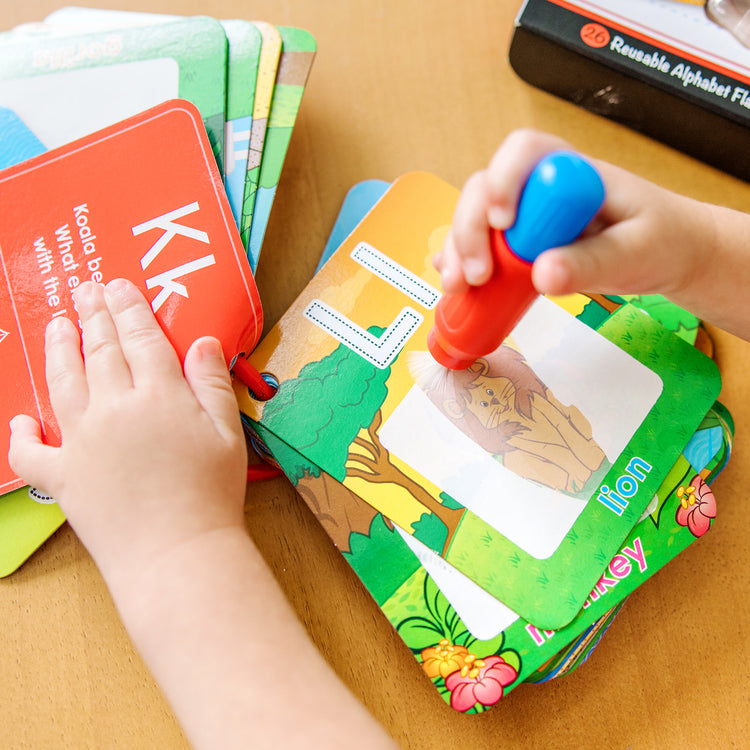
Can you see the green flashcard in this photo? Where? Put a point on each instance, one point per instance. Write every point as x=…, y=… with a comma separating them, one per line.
x=64, y=83
x=298, y=51
x=525, y=472
x=547, y=588
x=444, y=618
x=268, y=65
x=448, y=622
x=245, y=41
x=27, y=519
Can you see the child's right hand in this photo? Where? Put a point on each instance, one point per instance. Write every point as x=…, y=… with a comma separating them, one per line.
x=644, y=239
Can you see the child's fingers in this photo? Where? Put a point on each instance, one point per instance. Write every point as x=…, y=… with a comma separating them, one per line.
x=469, y=232
x=609, y=263
x=509, y=169
x=28, y=456
x=106, y=368
x=448, y=262
x=207, y=375
x=640, y=242
x=489, y=199
x=145, y=348
x=66, y=377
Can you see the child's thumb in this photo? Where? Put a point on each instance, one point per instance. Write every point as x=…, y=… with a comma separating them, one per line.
x=207, y=375
x=28, y=456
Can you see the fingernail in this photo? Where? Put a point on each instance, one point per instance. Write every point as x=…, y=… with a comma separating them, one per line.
x=116, y=285
x=83, y=293
x=210, y=348
x=118, y=289
x=499, y=217
x=474, y=270
x=55, y=325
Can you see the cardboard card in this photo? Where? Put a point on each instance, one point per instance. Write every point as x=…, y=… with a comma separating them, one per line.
x=448, y=622
x=357, y=203
x=65, y=84
x=142, y=199
x=297, y=54
x=484, y=616
x=77, y=16
x=344, y=350
x=27, y=519
x=270, y=55
x=410, y=588
x=244, y=41
x=17, y=142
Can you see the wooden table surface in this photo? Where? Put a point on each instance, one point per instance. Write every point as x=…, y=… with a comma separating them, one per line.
x=402, y=85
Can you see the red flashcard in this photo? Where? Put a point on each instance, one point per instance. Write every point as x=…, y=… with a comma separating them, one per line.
x=143, y=200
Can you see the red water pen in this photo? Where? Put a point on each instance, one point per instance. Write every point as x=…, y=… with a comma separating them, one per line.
x=562, y=195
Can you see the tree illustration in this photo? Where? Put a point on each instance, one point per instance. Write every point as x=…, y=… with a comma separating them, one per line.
x=331, y=413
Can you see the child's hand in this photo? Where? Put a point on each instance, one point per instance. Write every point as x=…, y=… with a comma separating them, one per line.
x=643, y=240
x=150, y=459
x=151, y=474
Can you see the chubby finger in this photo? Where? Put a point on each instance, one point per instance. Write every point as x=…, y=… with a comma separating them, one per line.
x=146, y=349
x=509, y=169
x=448, y=263
x=638, y=243
x=208, y=377
x=66, y=376
x=604, y=263
x=106, y=368
x=28, y=456
x=470, y=232
x=609, y=257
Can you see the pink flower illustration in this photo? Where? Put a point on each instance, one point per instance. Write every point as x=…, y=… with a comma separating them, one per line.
x=697, y=506
x=479, y=681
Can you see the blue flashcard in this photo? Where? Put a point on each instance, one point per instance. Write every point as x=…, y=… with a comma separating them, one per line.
x=17, y=142
x=359, y=200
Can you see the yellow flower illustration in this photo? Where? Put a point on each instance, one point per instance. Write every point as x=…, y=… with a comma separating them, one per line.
x=444, y=659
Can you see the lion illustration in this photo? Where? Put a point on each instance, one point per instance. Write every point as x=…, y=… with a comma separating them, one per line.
x=501, y=404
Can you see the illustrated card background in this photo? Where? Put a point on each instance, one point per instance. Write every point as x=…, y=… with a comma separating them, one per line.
x=431, y=606
x=17, y=142
x=47, y=76
x=613, y=391
x=484, y=616
x=324, y=384
x=253, y=54
x=297, y=53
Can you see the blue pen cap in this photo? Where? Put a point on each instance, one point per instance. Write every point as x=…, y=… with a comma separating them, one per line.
x=561, y=196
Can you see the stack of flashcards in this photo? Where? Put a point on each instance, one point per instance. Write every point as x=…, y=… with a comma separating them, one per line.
x=83, y=69
x=66, y=80
x=500, y=515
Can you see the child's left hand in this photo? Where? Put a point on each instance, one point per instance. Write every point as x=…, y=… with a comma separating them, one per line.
x=150, y=458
